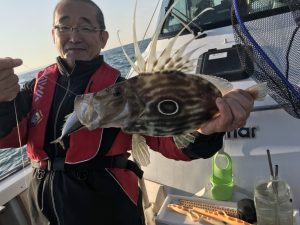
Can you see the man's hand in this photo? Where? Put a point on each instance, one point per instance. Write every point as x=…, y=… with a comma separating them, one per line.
x=9, y=87
x=234, y=110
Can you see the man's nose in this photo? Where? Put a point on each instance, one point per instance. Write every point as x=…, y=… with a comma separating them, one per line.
x=74, y=36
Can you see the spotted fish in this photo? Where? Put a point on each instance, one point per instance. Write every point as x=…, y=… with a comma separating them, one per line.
x=157, y=104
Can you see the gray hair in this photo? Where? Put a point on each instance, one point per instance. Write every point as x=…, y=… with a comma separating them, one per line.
x=100, y=16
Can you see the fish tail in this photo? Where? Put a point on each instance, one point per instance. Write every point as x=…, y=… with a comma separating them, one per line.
x=258, y=91
x=58, y=141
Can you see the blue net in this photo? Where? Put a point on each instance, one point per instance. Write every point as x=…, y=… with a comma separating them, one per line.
x=269, y=29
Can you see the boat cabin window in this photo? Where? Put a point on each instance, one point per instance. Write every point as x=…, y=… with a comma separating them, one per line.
x=212, y=14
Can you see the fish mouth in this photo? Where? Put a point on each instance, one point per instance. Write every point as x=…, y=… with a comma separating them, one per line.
x=94, y=112
x=85, y=111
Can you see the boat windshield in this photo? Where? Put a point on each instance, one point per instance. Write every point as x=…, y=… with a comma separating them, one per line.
x=214, y=13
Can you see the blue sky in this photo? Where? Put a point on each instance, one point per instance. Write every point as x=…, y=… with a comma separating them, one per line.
x=26, y=27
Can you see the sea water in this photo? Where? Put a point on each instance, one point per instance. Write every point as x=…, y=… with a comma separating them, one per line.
x=273, y=203
x=12, y=160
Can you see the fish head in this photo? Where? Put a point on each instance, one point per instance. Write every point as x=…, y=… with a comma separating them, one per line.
x=115, y=106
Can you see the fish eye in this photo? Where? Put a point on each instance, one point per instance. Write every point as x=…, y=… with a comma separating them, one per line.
x=168, y=107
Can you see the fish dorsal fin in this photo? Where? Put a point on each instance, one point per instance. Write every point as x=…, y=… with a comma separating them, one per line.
x=135, y=67
x=222, y=84
x=139, y=58
x=140, y=150
x=165, y=61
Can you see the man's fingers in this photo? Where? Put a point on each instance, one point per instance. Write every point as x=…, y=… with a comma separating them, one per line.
x=10, y=81
x=9, y=86
x=240, y=103
x=6, y=74
x=232, y=113
x=234, y=110
x=9, y=63
x=225, y=116
x=239, y=113
x=10, y=94
x=242, y=97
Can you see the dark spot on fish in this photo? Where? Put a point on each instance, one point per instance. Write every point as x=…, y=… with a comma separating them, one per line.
x=168, y=107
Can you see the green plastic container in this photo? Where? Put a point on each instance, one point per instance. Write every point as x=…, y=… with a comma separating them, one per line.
x=222, y=178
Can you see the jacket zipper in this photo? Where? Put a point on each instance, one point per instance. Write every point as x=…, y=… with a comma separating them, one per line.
x=52, y=174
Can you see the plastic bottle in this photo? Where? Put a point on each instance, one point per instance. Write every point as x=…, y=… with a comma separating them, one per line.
x=273, y=203
x=222, y=178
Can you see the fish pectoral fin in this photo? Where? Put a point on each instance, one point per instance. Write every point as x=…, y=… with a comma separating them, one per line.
x=140, y=150
x=184, y=140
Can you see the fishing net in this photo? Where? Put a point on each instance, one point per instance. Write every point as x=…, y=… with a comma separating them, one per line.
x=273, y=43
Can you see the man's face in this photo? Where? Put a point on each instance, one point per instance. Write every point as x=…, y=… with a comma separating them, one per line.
x=74, y=44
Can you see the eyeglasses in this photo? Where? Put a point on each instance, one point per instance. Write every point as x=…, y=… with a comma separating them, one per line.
x=63, y=30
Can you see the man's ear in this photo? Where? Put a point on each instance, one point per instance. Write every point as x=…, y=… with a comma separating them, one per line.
x=103, y=37
x=53, y=35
